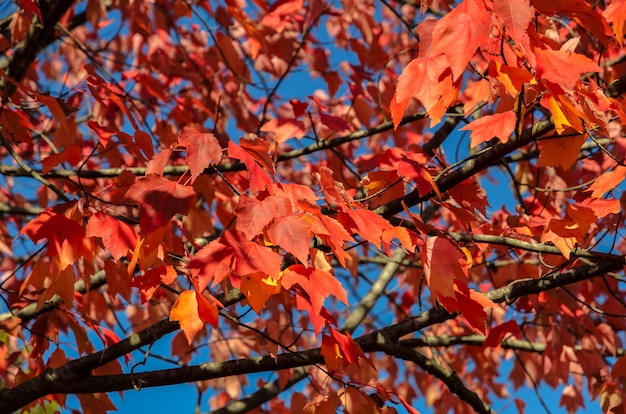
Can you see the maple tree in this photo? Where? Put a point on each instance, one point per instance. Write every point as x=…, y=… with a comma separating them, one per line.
x=383, y=203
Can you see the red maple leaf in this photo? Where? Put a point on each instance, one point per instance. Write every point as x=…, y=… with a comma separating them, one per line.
x=116, y=235
x=443, y=263
x=259, y=179
x=253, y=215
x=203, y=149
x=159, y=199
x=292, y=233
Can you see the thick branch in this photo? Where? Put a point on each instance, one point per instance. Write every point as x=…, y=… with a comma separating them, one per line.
x=445, y=341
x=38, y=38
x=448, y=377
x=484, y=159
x=74, y=377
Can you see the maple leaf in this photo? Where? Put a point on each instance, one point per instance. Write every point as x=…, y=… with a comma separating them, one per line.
x=152, y=279
x=192, y=310
x=516, y=15
x=470, y=303
x=443, y=263
x=398, y=108
x=428, y=80
x=334, y=123
x=511, y=78
x=563, y=68
x=292, y=233
x=487, y=127
x=497, y=333
x=564, y=114
x=104, y=134
x=319, y=318
x=331, y=353
x=470, y=195
x=253, y=215
x=71, y=154
x=317, y=284
x=258, y=288
x=412, y=169
x=459, y=33
x=607, y=182
x=366, y=223
x=284, y=129
x=615, y=13
x=383, y=187
x=30, y=9
x=159, y=199
x=65, y=236
x=212, y=263
x=250, y=257
x=117, y=236
x=560, y=151
x=355, y=401
x=203, y=150
x=350, y=350
x=334, y=235
x=259, y=179
x=333, y=191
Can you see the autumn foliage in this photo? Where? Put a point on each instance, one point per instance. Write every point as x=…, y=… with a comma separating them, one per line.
x=381, y=205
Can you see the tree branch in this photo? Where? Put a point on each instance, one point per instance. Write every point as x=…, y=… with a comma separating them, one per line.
x=73, y=377
x=482, y=160
x=448, y=377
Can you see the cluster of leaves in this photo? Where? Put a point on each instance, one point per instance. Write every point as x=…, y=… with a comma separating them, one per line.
x=289, y=185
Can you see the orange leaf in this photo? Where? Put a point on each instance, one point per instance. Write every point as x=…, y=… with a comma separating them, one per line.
x=607, y=182
x=383, y=187
x=516, y=15
x=259, y=179
x=284, y=129
x=355, y=401
x=253, y=215
x=192, y=310
x=350, y=350
x=603, y=207
x=398, y=108
x=459, y=33
x=365, y=223
x=428, y=80
x=292, y=233
x=486, y=127
x=615, y=13
x=317, y=284
x=563, y=113
x=563, y=68
x=258, y=288
x=411, y=168
x=443, y=262
x=560, y=151
x=331, y=353
x=511, y=78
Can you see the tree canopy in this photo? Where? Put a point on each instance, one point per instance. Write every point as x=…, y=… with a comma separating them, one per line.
x=375, y=203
